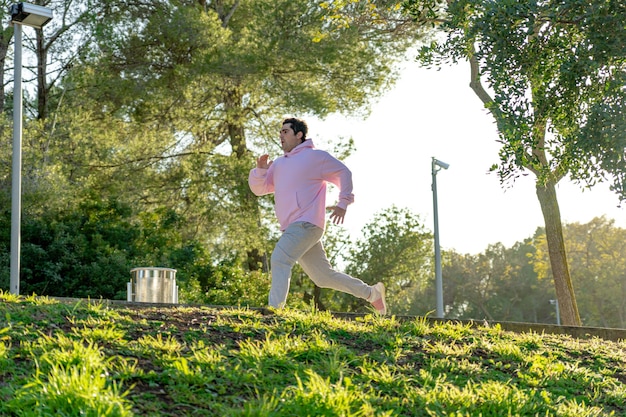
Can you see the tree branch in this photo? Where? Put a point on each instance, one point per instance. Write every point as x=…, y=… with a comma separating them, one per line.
x=230, y=14
x=149, y=158
x=477, y=86
x=490, y=104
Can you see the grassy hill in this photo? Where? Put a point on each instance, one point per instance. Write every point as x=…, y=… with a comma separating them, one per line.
x=97, y=359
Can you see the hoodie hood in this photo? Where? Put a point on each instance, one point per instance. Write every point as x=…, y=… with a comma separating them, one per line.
x=307, y=144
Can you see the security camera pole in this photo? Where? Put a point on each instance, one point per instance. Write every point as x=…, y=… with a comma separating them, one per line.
x=436, y=166
x=22, y=14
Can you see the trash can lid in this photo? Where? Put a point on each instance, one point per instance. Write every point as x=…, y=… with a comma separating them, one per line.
x=152, y=268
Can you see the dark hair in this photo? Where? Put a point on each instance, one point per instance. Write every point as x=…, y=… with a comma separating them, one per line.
x=298, y=125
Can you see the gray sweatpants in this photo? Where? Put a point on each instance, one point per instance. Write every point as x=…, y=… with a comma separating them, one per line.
x=301, y=242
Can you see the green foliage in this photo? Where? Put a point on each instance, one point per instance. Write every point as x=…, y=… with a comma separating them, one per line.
x=90, y=251
x=499, y=284
x=228, y=284
x=557, y=71
x=86, y=255
x=396, y=250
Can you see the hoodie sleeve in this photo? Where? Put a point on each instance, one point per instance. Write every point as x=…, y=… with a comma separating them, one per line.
x=261, y=181
x=335, y=172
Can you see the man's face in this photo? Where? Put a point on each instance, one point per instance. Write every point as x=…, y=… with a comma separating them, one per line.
x=288, y=138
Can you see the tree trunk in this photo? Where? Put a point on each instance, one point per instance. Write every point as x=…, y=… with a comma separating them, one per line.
x=42, y=88
x=317, y=297
x=5, y=38
x=558, y=259
x=256, y=260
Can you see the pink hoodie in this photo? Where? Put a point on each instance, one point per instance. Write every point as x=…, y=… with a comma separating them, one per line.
x=298, y=180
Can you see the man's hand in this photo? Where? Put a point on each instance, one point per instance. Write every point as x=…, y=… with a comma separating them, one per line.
x=337, y=214
x=262, y=162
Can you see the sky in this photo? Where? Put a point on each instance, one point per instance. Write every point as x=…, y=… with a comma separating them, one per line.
x=434, y=113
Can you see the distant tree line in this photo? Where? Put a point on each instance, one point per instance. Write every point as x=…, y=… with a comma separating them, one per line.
x=515, y=284
x=502, y=283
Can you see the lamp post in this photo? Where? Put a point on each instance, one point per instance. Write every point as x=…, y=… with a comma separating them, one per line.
x=22, y=14
x=555, y=303
x=436, y=166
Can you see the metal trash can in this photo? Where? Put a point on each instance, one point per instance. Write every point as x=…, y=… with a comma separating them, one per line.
x=152, y=285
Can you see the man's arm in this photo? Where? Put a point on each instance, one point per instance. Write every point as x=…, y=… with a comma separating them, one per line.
x=260, y=179
x=337, y=173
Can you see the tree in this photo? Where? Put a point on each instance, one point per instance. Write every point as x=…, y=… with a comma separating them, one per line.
x=499, y=284
x=555, y=72
x=56, y=47
x=597, y=254
x=396, y=250
x=466, y=286
x=6, y=34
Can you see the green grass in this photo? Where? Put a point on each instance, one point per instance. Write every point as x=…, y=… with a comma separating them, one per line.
x=95, y=359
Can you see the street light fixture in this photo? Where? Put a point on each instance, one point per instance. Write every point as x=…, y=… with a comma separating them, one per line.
x=437, y=165
x=30, y=15
x=22, y=14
